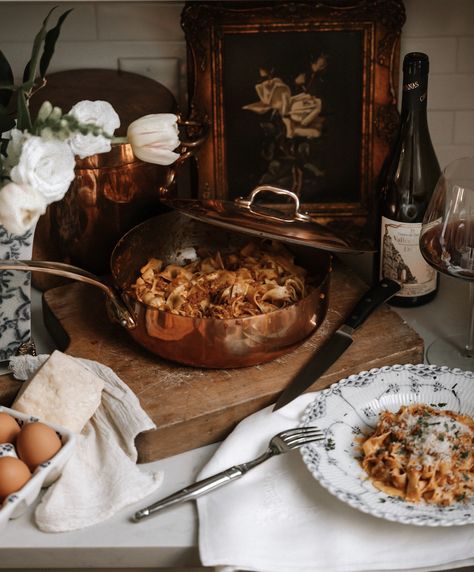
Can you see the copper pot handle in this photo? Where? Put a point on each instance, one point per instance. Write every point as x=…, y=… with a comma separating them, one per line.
x=119, y=310
x=188, y=147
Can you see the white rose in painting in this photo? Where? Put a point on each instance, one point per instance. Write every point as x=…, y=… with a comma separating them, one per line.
x=20, y=207
x=273, y=94
x=45, y=165
x=101, y=114
x=154, y=137
x=301, y=116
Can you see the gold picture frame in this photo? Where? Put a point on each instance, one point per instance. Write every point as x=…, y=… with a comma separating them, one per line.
x=298, y=95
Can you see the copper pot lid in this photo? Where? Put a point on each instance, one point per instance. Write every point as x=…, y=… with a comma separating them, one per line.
x=244, y=215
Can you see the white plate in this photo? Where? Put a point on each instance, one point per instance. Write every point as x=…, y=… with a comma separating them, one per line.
x=351, y=407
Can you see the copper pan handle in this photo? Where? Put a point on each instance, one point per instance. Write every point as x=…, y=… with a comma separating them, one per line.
x=119, y=310
x=190, y=143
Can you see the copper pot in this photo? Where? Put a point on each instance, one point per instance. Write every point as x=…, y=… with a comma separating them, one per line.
x=201, y=342
x=110, y=194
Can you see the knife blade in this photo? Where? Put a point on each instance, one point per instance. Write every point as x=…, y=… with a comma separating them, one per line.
x=340, y=340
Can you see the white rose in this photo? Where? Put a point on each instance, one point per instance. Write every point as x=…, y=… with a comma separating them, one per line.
x=153, y=138
x=87, y=145
x=99, y=113
x=45, y=165
x=20, y=207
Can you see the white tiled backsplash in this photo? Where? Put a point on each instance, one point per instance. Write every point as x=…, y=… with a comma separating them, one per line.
x=146, y=37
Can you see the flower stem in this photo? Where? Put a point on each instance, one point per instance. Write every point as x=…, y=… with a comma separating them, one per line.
x=24, y=119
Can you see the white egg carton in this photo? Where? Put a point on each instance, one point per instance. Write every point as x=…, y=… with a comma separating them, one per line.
x=44, y=475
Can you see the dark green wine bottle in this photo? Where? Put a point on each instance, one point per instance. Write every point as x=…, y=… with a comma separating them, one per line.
x=410, y=176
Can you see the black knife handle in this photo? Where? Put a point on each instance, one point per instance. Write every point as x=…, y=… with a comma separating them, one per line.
x=376, y=296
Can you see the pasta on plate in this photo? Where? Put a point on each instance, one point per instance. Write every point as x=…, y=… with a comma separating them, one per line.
x=422, y=454
x=258, y=279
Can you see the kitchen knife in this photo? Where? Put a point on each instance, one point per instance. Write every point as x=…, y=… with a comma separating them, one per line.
x=340, y=340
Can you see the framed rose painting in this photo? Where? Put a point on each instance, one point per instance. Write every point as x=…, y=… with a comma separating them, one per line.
x=297, y=95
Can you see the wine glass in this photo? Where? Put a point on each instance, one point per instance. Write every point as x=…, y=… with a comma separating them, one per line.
x=447, y=244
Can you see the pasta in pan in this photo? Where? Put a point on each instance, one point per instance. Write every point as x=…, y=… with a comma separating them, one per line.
x=422, y=454
x=256, y=280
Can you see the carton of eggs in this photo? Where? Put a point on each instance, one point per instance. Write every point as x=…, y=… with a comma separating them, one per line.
x=32, y=456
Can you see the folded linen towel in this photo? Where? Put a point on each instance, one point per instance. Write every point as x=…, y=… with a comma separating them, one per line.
x=279, y=519
x=102, y=475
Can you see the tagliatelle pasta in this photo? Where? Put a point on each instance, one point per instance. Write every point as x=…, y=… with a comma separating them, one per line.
x=258, y=279
x=422, y=453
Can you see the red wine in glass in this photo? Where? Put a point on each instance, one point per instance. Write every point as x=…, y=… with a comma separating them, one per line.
x=447, y=244
x=447, y=248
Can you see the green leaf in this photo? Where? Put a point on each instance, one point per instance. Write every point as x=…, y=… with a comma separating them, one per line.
x=314, y=169
x=23, y=118
x=26, y=72
x=6, y=123
x=31, y=68
x=6, y=78
x=3, y=146
x=50, y=43
x=7, y=120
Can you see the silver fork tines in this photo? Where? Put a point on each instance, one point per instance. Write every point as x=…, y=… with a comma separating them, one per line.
x=300, y=431
x=295, y=442
x=294, y=438
x=279, y=443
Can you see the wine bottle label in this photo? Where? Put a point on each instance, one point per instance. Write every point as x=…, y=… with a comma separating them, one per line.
x=401, y=259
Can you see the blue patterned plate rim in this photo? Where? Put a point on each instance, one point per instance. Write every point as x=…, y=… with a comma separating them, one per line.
x=350, y=408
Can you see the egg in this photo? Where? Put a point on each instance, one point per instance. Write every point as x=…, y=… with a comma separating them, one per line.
x=37, y=443
x=13, y=475
x=9, y=428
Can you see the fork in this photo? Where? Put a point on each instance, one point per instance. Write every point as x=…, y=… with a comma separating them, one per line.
x=280, y=443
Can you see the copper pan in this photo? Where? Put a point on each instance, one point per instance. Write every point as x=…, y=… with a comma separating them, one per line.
x=201, y=342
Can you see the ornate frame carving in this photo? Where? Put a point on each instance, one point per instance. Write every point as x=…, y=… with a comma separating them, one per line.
x=215, y=30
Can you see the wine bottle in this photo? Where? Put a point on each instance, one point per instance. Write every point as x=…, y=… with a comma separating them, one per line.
x=410, y=176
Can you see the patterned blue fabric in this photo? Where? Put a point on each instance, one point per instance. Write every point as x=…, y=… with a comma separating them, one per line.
x=15, y=293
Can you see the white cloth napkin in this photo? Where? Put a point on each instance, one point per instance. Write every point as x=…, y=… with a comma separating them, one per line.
x=102, y=475
x=277, y=518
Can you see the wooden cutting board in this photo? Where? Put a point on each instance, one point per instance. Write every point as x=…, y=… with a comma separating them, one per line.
x=193, y=407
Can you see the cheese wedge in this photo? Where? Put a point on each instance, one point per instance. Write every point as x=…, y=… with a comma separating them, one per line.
x=62, y=391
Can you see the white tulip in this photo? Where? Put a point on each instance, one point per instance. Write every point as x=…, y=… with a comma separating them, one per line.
x=154, y=137
x=20, y=207
x=45, y=165
x=101, y=114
